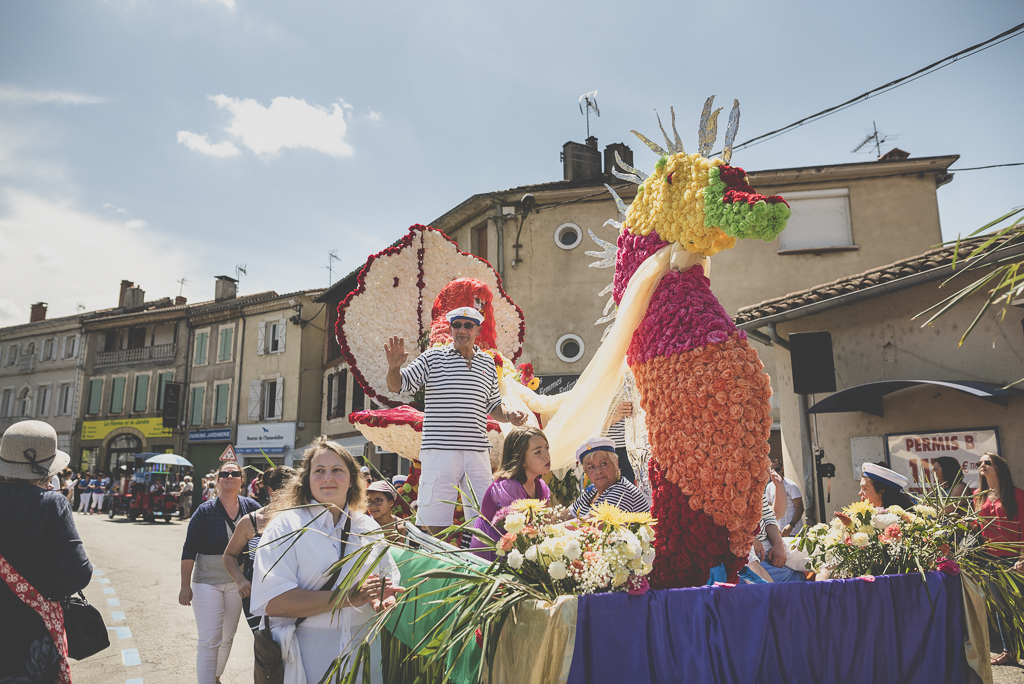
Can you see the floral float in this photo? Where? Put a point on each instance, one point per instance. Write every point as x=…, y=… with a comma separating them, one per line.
x=701, y=385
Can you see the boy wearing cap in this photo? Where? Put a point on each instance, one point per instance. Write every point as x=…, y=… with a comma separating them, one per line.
x=460, y=391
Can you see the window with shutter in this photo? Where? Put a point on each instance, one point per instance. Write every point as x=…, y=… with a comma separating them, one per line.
x=269, y=399
x=279, y=399
x=63, y=346
x=43, y=401
x=117, y=395
x=358, y=397
x=161, y=383
x=820, y=220
x=261, y=339
x=65, y=399
x=95, y=395
x=141, y=393
x=273, y=340
x=255, y=392
x=220, y=409
x=195, y=413
x=201, y=343
x=224, y=344
x=74, y=346
x=282, y=328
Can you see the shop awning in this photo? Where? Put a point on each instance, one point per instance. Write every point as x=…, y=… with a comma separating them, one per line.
x=868, y=397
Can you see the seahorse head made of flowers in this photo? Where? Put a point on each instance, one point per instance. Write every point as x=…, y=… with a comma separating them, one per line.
x=463, y=292
x=703, y=204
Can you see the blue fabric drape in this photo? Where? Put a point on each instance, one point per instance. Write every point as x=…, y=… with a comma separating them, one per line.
x=828, y=632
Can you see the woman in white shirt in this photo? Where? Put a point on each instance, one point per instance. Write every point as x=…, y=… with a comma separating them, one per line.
x=290, y=569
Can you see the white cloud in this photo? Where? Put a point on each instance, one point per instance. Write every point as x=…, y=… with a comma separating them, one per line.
x=135, y=223
x=201, y=143
x=52, y=252
x=288, y=123
x=114, y=209
x=374, y=116
x=230, y=4
x=19, y=95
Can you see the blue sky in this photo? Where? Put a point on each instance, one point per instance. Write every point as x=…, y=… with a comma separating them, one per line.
x=159, y=139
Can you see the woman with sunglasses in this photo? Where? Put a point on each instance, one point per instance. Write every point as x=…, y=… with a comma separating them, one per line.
x=205, y=584
x=1003, y=504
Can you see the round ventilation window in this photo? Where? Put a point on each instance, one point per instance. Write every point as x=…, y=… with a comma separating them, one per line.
x=569, y=348
x=568, y=235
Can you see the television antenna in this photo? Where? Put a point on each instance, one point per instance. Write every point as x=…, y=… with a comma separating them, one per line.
x=874, y=139
x=80, y=307
x=588, y=101
x=240, y=271
x=332, y=256
x=183, y=282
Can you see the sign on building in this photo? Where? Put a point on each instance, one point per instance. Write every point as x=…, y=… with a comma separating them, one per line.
x=914, y=454
x=99, y=429
x=269, y=438
x=217, y=435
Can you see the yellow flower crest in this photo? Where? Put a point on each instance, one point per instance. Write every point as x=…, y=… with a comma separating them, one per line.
x=864, y=508
x=671, y=203
x=641, y=518
x=608, y=514
x=531, y=505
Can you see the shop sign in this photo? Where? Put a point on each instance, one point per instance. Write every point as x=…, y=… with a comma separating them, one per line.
x=270, y=438
x=218, y=435
x=913, y=454
x=556, y=384
x=100, y=429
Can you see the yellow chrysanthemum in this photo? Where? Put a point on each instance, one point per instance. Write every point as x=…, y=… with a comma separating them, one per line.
x=642, y=518
x=859, y=508
x=532, y=505
x=608, y=514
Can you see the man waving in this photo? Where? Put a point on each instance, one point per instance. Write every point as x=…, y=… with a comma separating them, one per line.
x=460, y=390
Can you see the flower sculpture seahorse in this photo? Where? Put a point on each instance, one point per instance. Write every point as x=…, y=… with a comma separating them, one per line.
x=701, y=384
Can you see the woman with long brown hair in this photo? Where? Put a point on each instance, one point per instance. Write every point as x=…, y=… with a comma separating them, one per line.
x=525, y=460
x=320, y=523
x=1002, y=504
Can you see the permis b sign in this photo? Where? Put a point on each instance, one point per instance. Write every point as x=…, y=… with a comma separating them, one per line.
x=913, y=455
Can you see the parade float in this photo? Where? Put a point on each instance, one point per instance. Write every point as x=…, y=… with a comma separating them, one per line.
x=659, y=598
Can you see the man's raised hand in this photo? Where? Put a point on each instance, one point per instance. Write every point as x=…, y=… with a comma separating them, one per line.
x=394, y=349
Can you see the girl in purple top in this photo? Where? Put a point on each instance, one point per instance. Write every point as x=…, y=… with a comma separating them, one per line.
x=525, y=460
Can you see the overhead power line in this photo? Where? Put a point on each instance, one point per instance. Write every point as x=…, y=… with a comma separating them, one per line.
x=990, y=166
x=909, y=78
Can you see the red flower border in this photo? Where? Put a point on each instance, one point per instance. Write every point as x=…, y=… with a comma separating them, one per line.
x=407, y=241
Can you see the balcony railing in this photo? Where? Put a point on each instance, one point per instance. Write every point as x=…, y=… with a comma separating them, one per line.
x=122, y=356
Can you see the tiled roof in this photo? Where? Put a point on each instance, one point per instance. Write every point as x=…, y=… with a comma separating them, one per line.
x=933, y=259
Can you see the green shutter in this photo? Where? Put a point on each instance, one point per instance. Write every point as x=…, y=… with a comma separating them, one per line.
x=201, y=348
x=196, y=408
x=226, y=335
x=117, y=396
x=220, y=415
x=161, y=383
x=141, y=393
x=95, y=395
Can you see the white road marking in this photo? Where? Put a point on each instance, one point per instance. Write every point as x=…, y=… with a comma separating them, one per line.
x=122, y=632
x=137, y=680
x=109, y=590
x=97, y=571
x=113, y=602
x=102, y=580
x=117, y=615
x=130, y=656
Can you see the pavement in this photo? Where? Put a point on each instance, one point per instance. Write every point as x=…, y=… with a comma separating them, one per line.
x=135, y=587
x=152, y=638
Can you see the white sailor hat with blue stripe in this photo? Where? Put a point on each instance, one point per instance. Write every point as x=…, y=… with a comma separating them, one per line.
x=887, y=477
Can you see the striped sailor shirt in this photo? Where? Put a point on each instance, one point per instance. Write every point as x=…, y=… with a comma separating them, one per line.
x=457, y=397
x=623, y=494
x=767, y=517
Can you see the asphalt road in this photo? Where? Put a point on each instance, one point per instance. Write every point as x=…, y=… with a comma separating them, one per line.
x=137, y=568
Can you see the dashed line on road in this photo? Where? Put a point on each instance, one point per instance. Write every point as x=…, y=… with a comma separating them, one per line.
x=130, y=656
x=116, y=616
x=101, y=580
x=113, y=602
x=137, y=680
x=109, y=590
x=122, y=632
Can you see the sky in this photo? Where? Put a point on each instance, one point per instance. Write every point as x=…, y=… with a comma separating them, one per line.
x=161, y=140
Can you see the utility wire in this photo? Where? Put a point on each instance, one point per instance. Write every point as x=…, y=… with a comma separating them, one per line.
x=920, y=73
x=991, y=166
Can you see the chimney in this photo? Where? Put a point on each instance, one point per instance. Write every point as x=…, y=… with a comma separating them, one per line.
x=581, y=161
x=180, y=301
x=895, y=154
x=38, y=312
x=134, y=298
x=224, y=289
x=125, y=284
x=609, y=156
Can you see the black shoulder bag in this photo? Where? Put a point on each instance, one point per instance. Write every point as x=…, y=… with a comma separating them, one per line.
x=269, y=665
x=83, y=624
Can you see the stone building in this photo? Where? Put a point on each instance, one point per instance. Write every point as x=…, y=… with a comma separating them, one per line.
x=40, y=373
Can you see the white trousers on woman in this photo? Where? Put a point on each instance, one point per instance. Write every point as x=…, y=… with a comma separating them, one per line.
x=217, y=608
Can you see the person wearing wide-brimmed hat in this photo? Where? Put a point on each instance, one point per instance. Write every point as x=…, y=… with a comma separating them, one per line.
x=42, y=559
x=460, y=386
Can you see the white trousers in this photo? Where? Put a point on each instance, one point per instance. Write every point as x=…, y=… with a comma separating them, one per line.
x=84, y=499
x=217, y=608
x=443, y=470
x=97, y=500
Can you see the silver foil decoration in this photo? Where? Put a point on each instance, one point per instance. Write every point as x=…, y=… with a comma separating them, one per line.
x=607, y=288
x=668, y=141
x=616, y=224
x=606, y=256
x=627, y=168
x=679, y=141
x=623, y=209
x=631, y=177
x=731, y=130
x=708, y=128
x=655, y=147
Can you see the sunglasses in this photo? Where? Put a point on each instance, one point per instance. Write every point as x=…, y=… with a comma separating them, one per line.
x=984, y=463
x=467, y=325
x=229, y=473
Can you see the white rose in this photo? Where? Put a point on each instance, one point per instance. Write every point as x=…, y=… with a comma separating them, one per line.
x=531, y=553
x=648, y=556
x=557, y=570
x=573, y=550
x=883, y=520
x=558, y=547
x=860, y=540
x=515, y=522
x=547, y=547
x=515, y=559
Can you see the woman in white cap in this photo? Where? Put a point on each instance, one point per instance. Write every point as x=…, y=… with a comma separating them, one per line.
x=380, y=504
x=601, y=465
x=42, y=559
x=883, y=487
